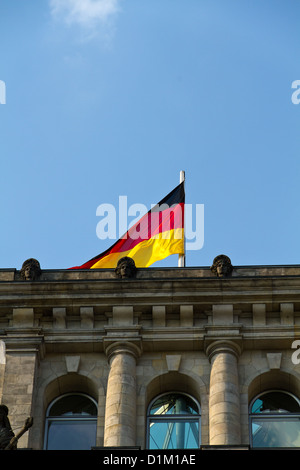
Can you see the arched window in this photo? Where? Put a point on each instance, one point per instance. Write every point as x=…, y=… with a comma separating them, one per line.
x=275, y=420
x=173, y=422
x=71, y=422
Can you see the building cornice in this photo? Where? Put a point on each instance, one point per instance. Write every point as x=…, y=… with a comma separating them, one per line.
x=167, y=309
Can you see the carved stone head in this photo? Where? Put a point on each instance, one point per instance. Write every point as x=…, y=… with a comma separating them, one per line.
x=222, y=266
x=125, y=268
x=31, y=270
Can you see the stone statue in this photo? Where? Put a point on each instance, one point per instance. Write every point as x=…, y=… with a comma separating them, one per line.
x=222, y=266
x=6, y=433
x=13, y=443
x=125, y=268
x=31, y=270
x=8, y=440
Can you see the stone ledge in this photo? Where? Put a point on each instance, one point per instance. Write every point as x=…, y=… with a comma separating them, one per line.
x=10, y=274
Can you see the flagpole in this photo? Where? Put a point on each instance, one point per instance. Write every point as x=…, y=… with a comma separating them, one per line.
x=181, y=258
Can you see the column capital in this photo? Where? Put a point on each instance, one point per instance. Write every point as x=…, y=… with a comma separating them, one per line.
x=29, y=340
x=223, y=346
x=133, y=348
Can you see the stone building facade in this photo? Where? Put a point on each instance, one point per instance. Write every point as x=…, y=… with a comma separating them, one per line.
x=125, y=342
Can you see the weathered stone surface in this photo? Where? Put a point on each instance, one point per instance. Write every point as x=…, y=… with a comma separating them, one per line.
x=124, y=343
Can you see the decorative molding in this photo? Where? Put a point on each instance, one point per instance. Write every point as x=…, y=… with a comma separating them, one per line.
x=259, y=314
x=59, y=314
x=159, y=315
x=223, y=346
x=173, y=362
x=222, y=314
x=122, y=315
x=72, y=363
x=87, y=317
x=123, y=347
x=23, y=317
x=287, y=313
x=186, y=315
x=274, y=360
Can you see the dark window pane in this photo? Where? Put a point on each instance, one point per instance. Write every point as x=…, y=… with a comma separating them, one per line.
x=275, y=402
x=71, y=435
x=73, y=405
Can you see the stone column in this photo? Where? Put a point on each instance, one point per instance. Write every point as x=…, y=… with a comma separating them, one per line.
x=120, y=409
x=224, y=399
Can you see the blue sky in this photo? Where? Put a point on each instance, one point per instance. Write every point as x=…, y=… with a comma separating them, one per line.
x=114, y=97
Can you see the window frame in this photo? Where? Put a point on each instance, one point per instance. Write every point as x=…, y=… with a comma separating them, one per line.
x=269, y=416
x=176, y=417
x=75, y=417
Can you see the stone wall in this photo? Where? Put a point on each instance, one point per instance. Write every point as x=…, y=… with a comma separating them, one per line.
x=124, y=342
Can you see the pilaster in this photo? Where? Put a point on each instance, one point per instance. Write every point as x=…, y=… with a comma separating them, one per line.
x=23, y=350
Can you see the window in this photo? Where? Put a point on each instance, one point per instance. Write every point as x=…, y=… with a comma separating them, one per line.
x=275, y=420
x=71, y=422
x=174, y=422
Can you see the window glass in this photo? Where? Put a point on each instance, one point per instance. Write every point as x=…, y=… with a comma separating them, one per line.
x=275, y=420
x=73, y=405
x=71, y=435
x=173, y=434
x=272, y=432
x=174, y=403
x=275, y=402
x=174, y=422
x=71, y=423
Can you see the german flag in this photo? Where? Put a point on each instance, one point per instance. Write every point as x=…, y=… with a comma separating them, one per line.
x=158, y=234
